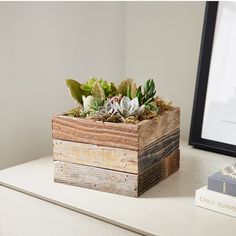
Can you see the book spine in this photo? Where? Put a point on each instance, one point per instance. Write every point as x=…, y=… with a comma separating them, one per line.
x=215, y=201
x=221, y=186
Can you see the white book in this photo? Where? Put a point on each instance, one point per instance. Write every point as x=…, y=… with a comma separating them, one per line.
x=215, y=201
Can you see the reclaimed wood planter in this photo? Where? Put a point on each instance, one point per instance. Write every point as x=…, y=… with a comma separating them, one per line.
x=119, y=158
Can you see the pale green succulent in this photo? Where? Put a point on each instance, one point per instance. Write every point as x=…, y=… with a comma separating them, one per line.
x=109, y=88
x=108, y=108
x=88, y=102
x=128, y=107
x=98, y=92
x=128, y=88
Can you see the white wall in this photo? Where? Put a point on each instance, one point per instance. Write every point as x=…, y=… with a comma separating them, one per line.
x=163, y=42
x=41, y=43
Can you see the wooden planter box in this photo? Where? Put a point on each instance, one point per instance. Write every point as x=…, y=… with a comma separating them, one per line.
x=119, y=158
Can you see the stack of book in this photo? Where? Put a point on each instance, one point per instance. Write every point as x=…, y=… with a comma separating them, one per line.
x=220, y=193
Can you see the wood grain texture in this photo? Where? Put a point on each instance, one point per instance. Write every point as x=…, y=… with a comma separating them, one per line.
x=158, y=150
x=115, y=158
x=115, y=181
x=97, y=156
x=160, y=171
x=119, y=135
x=95, y=132
x=151, y=130
x=96, y=178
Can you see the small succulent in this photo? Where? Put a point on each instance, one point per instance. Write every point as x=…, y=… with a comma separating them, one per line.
x=128, y=88
x=108, y=108
x=152, y=106
x=109, y=88
x=107, y=112
x=76, y=91
x=88, y=102
x=148, y=92
x=128, y=107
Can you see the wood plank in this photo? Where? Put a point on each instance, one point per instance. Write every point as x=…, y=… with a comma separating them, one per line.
x=151, y=130
x=158, y=150
x=96, y=178
x=98, y=156
x=158, y=172
x=115, y=181
x=95, y=132
x=118, y=135
x=114, y=158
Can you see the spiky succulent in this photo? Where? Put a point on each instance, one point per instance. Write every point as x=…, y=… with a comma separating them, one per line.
x=148, y=94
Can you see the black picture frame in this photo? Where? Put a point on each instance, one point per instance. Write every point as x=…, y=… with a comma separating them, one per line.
x=195, y=138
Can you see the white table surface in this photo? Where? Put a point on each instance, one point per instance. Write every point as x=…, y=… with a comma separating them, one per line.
x=23, y=215
x=165, y=210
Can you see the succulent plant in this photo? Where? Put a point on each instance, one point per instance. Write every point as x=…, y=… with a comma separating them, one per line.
x=107, y=112
x=76, y=91
x=101, y=100
x=128, y=88
x=88, y=102
x=109, y=88
x=152, y=106
x=108, y=108
x=100, y=89
x=128, y=107
x=148, y=92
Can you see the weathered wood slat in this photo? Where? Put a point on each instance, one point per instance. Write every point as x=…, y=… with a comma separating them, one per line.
x=115, y=181
x=98, y=156
x=158, y=150
x=126, y=136
x=151, y=130
x=115, y=158
x=160, y=171
x=95, y=178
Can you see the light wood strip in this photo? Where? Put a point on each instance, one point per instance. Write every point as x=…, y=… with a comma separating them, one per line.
x=98, y=156
x=115, y=158
x=96, y=178
x=115, y=181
